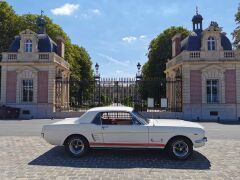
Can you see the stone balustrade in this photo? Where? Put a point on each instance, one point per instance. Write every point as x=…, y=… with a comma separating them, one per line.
x=34, y=57
x=203, y=55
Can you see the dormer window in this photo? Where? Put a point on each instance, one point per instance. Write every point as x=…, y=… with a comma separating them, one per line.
x=211, y=44
x=28, y=46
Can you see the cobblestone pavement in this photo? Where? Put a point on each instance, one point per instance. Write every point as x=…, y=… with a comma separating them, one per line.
x=32, y=158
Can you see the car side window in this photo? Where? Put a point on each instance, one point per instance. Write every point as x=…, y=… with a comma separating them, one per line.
x=135, y=121
x=117, y=118
x=97, y=119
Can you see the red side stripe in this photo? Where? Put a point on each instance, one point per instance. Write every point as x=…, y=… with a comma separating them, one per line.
x=126, y=144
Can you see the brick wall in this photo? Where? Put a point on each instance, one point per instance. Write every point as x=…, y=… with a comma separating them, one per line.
x=11, y=87
x=42, y=96
x=195, y=87
x=230, y=86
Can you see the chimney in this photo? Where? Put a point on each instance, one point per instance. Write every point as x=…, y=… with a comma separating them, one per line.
x=60, y=46
x=176, y=45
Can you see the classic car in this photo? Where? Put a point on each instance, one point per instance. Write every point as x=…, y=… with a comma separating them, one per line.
x=122, y=127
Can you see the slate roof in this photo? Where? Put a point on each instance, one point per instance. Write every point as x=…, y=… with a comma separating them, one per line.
x=45, y=44
x=193, y=42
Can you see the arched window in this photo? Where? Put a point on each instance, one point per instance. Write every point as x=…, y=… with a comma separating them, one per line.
x=28, y=46
x=211, y=44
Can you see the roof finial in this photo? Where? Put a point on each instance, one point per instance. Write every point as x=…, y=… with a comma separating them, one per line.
x=41, y=22
x=196, y=10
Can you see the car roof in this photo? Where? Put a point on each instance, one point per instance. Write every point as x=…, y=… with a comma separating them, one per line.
x=111, y=108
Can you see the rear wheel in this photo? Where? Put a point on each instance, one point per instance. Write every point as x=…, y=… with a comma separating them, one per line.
x=180, y=148
x=76, y=146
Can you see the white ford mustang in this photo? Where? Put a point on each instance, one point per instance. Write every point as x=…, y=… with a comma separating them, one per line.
x=122, y=127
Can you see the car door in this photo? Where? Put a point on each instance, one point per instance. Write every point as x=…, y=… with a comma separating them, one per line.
x=96, y=131
x=119, y=130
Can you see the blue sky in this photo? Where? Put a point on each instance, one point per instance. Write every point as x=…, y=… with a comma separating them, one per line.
x=116, y=33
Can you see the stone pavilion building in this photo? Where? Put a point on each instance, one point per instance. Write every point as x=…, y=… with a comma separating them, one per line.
x=29, y=70
x=209, y=70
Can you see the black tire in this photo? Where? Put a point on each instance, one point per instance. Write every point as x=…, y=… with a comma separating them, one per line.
x=180, y=148
x=76, y=146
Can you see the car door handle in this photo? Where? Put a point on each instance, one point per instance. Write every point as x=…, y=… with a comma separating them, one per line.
x=103, y=127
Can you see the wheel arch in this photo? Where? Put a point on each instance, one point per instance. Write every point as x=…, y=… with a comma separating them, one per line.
x=179, y=136
x=80, y=135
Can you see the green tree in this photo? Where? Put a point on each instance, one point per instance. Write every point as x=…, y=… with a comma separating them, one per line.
x=236, y=32
x=81, y=75
x=81, y=64
x=8, y=24
x=160, y=50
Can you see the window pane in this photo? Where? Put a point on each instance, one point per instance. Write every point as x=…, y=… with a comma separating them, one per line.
x=116, y=118
x=214, y=82
x=30, y=96
x=212, y=91
x=28, y=46
x=27, y=90
x=24, y=95
x=209, y=46
x=215, y=98
x=213, y=45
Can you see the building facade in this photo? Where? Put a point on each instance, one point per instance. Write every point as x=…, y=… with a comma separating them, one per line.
x=29, y=71
x=209, y=70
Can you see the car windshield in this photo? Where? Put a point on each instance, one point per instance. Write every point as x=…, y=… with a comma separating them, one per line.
x=142, y=118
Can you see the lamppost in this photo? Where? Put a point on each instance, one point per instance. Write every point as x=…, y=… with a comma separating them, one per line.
x=97, y=80
x=139, y=73
x=137, y=87
x=97, y=74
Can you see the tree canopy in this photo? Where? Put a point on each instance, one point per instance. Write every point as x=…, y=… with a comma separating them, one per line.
x=8, y=25
x=160, y=50
x=236, y=32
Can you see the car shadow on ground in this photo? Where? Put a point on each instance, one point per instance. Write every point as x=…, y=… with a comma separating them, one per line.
x=121, y=159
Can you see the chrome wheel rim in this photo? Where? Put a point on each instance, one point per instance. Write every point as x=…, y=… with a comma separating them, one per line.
x=180, y=148
x=76, y=146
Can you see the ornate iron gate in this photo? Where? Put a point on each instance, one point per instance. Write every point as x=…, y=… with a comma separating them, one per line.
x=118, y=91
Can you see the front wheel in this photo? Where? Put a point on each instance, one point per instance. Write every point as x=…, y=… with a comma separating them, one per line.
x=180, y=148
x=76, y=146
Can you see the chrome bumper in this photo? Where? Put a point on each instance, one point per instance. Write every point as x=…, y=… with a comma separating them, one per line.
x=200, y=142
x=203, y=140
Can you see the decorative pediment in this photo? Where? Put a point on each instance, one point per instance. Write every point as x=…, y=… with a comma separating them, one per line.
x=214, y=27
x=213, y=71
x=27, y=31
x=27, y=69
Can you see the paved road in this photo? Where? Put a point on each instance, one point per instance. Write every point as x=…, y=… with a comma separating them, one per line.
x=32, y=158
x=33, y=128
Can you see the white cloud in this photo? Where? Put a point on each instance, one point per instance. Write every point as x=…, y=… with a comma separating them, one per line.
x=142, y=37
x=116, y=61
x=129, y=39
x=65, y=10
x=96, y=11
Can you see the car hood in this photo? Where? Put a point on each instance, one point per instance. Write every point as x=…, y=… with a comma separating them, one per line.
x=68, y=121
x=174, y=123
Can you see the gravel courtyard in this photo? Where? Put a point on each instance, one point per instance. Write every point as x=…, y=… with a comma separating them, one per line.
x=30, y=157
